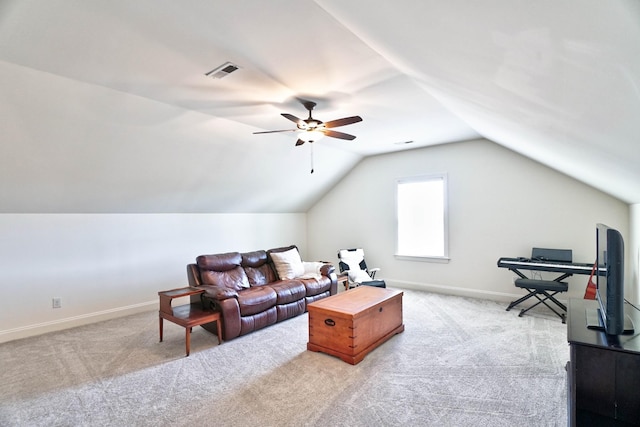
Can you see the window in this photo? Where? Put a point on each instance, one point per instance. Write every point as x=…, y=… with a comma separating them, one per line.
x=422, y=217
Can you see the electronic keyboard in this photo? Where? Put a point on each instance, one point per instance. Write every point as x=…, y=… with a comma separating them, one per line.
x=547, y=265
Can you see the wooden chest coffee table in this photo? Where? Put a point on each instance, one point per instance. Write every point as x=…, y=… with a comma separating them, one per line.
x=351, y=324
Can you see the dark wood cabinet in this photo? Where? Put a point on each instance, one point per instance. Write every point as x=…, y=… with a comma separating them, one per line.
x=603, y=372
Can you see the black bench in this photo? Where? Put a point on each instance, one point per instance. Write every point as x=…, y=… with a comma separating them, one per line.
x=543, y=290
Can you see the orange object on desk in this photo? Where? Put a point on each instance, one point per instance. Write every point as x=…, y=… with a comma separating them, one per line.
x=590, y=291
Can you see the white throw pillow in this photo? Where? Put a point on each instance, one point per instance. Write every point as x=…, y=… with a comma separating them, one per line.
x=358, y=276
x=288, y=264
x=312, y=267
x=312, y=270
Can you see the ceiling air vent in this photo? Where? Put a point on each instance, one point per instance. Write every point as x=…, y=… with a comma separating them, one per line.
x=222, y=71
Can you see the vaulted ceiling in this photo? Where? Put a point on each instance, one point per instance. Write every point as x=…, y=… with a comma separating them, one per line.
x=105, y=105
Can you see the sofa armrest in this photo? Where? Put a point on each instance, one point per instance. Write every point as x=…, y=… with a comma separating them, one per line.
x=218, y=293
x=327, y=269
x=193, y=275
x=224, y=300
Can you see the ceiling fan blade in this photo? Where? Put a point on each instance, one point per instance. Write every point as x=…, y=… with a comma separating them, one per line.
x=291, y=117
x=299, y=142
x=342, y=122
x=340, y=135
x=274, y=131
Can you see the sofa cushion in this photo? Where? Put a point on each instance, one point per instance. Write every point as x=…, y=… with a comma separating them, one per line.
x=255, y=300
x=288, y=264
x=223, y=270
x=254, y=259
x=258, y=320
x=288, y=291
x=219, y=262
x=235, y=279
x=317, y=286
x=259, y=276
x=258, y=271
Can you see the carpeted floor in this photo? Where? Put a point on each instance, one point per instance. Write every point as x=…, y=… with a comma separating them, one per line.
x=460, y=362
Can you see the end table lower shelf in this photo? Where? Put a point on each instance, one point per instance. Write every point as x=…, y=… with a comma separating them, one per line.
x=187, y=315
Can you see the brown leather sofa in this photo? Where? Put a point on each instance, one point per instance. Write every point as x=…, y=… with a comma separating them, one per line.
x=247, y=290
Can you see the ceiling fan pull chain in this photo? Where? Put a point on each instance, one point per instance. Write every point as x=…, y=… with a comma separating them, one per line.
x=311, y=145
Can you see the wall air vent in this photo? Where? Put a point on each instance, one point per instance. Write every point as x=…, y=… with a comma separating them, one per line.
x=222, y=71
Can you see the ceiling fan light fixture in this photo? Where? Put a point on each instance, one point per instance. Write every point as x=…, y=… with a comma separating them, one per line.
x=311, y=135
x=312, y=130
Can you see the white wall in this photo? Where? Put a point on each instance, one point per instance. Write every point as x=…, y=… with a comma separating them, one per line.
x=107, y=265
x=501, y=204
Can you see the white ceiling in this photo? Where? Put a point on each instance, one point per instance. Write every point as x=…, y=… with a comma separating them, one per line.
x=105, y=105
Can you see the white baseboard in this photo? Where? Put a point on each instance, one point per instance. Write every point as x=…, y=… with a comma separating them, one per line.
x=453, y=290
x=462, y=292
x=72, y=322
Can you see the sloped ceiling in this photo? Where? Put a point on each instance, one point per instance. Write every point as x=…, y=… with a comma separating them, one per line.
x=105, y=105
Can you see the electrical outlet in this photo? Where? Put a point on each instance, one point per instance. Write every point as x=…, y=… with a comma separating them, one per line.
x=56, y=302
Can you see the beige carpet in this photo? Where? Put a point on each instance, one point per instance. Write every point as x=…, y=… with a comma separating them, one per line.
x=460, y=362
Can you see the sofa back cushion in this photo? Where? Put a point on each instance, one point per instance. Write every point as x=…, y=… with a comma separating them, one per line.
x=223, y=270
x=258, y=271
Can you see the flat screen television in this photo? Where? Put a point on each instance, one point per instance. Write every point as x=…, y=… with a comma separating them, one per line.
x=610, y=283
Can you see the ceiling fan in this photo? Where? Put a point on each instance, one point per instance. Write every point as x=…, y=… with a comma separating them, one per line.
x=311, y=130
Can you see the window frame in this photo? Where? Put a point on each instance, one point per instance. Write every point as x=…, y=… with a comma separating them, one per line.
x=445, y=208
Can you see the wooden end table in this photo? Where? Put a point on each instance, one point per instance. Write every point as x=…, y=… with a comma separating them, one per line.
x=187, y=315
x=343, y=279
